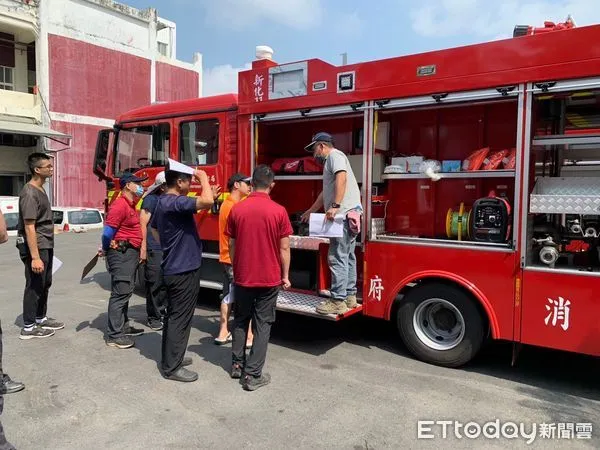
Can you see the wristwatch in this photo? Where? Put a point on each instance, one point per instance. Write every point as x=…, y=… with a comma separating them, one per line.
x=335, y=205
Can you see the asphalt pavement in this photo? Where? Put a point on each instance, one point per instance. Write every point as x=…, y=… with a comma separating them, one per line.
x=348, y=385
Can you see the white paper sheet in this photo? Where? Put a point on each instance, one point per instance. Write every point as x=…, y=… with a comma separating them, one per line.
x=56, y=264
x=178, y=167
x=319, y=226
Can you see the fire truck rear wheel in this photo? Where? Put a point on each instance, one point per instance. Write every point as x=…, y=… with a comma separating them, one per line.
x=440, y=324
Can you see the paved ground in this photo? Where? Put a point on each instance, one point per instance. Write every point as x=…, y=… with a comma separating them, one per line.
x=348, y=385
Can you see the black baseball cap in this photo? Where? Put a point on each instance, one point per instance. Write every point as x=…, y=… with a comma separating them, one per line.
x=319, y=137
x=236, y=178
x=130, y=178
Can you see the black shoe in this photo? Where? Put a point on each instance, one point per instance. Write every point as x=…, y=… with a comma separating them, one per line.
x=183, y=375
x=35, y=332
x=8, y=386
x=155, y=324
x=131, y=331
x=120, y=342
x=251, y=383
x=187, y=361
x=51, y=324
x=236, y=371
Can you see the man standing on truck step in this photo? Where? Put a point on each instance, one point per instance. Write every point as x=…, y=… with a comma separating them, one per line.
x=174, y=228
x=121, y=243
x=259, y=231
x=35, y=242
x=239, y=188
x=340, y=195
x=151, y=251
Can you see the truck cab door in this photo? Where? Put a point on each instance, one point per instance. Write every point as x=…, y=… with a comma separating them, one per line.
x=104, y=146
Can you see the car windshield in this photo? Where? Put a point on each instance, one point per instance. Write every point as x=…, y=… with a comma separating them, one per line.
x=84, y=217
x=12, y=221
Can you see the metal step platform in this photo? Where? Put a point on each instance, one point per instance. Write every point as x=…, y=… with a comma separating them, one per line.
x=305, y=304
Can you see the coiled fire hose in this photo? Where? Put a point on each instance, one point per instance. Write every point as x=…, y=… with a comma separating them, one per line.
x=458, y=223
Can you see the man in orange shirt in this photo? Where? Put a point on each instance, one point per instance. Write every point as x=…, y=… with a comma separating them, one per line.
x=239, y=188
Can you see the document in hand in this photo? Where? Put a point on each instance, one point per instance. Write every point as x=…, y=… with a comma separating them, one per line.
x=178, y=167
x=319, y=226
x=56, y=264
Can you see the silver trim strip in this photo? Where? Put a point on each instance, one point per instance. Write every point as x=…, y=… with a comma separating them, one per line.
x=368, y=127
x=518, y=173
x=441, y=244
x=580, y=83
x=252, y=144
x=452, y=97
x=210, y=255
x=310, y=112
x=566, y=140
x=525, y=184
x=561, y=271
x=298, y=177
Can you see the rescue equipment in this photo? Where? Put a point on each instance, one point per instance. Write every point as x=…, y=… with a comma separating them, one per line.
x=491, y=219
x=458, y=223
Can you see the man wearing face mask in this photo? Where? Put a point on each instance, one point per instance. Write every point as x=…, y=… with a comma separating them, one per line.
x=121, y=243
x=340, y=195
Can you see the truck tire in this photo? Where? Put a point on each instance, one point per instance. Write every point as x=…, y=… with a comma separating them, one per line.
x=440, y=324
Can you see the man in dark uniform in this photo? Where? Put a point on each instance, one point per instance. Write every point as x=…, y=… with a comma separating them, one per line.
x=174, y=227
x=156, y=291
x=121, y=242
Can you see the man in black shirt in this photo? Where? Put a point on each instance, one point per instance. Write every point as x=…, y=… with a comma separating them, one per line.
x=35, y=242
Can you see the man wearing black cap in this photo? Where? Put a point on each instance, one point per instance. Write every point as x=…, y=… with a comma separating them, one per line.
x=121, y=243
x=239, y=188
x=340, y=196
x=173, y=225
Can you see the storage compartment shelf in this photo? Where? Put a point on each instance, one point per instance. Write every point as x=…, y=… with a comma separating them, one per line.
x=473, y=174
x=566, y=139
x=574, y=195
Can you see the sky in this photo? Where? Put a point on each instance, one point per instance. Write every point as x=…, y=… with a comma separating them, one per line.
x=226, y=32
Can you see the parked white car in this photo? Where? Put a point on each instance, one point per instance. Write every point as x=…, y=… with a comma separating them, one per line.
x=77, y=219
x=10, y=210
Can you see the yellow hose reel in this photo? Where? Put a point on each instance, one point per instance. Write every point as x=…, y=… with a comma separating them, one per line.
x=458, y=223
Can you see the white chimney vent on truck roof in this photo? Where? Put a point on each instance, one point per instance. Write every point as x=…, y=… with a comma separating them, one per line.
x=264, y=52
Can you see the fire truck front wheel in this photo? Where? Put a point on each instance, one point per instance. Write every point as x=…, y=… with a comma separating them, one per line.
x=440, y=324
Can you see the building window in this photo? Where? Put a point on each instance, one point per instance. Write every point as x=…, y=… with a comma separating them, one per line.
x=163, y=49
x=31, y=81
x=6, y=78
x=200, y=142
x=18, y=140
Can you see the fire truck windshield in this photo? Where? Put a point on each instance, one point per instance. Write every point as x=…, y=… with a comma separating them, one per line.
x=141, y=147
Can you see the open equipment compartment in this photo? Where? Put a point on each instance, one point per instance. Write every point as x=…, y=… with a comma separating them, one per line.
x=474, y=147
x=299, y=180
x=563, y=224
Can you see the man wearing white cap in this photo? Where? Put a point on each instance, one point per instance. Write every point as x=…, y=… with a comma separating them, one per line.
x=152, y=253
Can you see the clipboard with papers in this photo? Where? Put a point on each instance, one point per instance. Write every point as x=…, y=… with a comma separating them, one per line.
x=319, y=226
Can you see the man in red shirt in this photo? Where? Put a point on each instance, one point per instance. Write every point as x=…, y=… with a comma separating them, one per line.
x=259, y=246
x=121, y=242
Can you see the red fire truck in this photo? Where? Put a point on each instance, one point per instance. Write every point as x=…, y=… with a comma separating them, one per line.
x=478, y=169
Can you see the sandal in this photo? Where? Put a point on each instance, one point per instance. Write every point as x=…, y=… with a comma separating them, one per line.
x=223, y=342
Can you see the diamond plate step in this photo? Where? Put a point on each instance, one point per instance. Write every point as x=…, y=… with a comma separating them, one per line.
x=305, y=304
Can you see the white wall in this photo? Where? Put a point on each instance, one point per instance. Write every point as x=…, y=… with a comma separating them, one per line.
x=92, y=22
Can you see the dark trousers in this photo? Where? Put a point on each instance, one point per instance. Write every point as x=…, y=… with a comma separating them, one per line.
x=156, y=292
x=4, y=445
x=227, y=279
x=182, y=294
x=37, y=285
x=122, y=267
x=257, y=304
